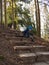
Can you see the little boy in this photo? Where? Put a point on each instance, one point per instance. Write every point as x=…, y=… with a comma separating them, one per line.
x=26, y=32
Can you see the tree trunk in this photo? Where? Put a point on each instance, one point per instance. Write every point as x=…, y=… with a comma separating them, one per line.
x=37, y=18
x=1, y=12
x=5, y=13
x=12, y=14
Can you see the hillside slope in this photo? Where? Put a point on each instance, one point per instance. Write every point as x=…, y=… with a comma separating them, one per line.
x=18, y=50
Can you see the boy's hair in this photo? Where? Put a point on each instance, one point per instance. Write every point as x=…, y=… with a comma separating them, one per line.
x=30, y=27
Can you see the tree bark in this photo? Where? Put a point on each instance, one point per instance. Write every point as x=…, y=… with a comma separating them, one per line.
x=37, y=18
x=5, y=13
x=12, y=14
x=1, y=11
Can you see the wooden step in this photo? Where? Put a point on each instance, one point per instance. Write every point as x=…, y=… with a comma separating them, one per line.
x=42, y=56
x=17, y=38
x=38, y=56
x=33, y=54
x=27, y=57
x=40, y=63
x=42, y=53
x=22, y=47
x=14, y=38
x=29, y=47
x=12, y=32
x=20, y=42
x=7, y=34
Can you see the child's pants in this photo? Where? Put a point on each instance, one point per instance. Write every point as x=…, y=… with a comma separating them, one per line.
x=26, y=33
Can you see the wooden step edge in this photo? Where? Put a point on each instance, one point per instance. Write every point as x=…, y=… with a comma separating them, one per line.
x=42, y=53
x=23, y=55
x=27, y=55
x=27, y=47
x=19, y=42
x=22, y=47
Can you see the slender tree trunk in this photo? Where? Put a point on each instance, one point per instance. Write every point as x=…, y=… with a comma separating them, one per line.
x=5, y=13
x=15, y=9
x=12, y=13
x=1, y=12
x=37, y=18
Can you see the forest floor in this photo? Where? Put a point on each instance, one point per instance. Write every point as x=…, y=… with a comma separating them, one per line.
x=18, y=50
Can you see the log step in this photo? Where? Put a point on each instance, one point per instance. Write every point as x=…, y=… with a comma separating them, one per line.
x=34, y=54
x=17, y=38
x=20, y=42
x=42, y=56
x=38, y=56
x=27, y=55
x=28, y=47
x=27, y=58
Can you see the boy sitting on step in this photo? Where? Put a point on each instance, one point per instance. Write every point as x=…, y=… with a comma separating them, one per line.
x=27, y=31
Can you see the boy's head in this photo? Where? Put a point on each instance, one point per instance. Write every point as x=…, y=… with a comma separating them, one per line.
x=30, y=27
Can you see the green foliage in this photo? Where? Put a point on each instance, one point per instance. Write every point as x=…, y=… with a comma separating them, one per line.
x=21, y=15
x=25, y=18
